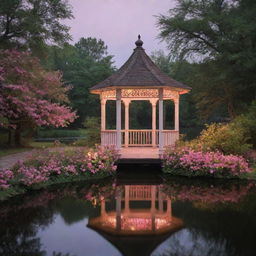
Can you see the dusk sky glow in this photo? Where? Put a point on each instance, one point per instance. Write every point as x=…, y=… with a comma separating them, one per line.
x=118, y=23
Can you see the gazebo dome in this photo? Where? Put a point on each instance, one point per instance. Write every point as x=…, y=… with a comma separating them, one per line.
x=139, y=42
x=139, y=72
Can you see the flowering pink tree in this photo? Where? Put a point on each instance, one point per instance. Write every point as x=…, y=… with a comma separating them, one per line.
x=30, y=96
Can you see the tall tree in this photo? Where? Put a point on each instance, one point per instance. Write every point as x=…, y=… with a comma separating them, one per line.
x=221, y=36
x=181, y=71
x=83, y=65
x=30, y=24
x=30, y=96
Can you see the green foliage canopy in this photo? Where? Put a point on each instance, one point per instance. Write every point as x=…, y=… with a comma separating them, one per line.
x=83, y=65
x=220, y=36
x=31, y=24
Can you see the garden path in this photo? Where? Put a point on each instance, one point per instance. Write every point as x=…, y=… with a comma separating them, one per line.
x=10, y=160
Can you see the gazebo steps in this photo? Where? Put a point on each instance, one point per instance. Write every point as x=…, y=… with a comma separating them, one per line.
x=139, y=161
x=139, y=153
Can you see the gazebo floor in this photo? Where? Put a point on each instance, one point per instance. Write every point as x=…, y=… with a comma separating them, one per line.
x=139, y=153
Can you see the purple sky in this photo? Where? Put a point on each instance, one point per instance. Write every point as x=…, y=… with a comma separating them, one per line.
x=118, y=23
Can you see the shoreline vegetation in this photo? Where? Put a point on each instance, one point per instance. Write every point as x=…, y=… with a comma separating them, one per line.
x=44, y=168
x=193, y=163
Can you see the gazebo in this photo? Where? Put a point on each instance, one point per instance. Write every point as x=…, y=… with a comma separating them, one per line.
x=136, y=230
x=139, y=79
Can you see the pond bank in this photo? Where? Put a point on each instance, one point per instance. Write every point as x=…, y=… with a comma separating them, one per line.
x=20, y=190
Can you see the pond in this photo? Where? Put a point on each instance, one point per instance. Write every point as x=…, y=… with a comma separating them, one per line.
x=139, y=214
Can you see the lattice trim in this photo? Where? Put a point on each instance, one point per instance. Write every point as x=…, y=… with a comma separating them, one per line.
x=139, y=93
x=108, y=94
x=170, y=94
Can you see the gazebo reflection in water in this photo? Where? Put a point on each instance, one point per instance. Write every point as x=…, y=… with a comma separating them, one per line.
x=142, y=219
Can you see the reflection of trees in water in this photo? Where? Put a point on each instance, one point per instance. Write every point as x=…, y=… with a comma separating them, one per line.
x=214, y=227
x=190, y=243
x=22, y=219
x=209, y=192
x=18, y=235
x=62, y=254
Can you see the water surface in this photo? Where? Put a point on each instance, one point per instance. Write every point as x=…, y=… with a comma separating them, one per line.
x=132, y=217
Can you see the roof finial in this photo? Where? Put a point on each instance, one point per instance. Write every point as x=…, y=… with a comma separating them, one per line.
x=139, y=42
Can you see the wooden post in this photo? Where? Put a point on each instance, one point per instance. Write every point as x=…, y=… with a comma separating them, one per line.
x=118, y=119
x=160, y=200
x=169, y=207
x=118, y=210
x=153, y=103
x=153, y=207
x=176, y=102
x=103, y=207
x=103, y=114
x=127, y=195
x=126, y=139
x=161, y=142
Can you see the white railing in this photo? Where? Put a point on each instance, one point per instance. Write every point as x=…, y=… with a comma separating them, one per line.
x=139, y=137
x=108, y=137
x=139, y=192
x=170, y=137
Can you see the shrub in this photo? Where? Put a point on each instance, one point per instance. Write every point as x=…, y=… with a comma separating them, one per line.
x=5, y=178
x=92, y=125
x=197, y=163
x=236, y=137
x=45, y=165
x=59, y=133
x=226, y=138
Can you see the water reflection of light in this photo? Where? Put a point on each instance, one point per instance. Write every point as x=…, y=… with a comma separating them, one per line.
x=135, y=224
x=126, y=220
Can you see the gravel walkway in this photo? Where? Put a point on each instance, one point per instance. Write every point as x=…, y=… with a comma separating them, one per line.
x=10, y=160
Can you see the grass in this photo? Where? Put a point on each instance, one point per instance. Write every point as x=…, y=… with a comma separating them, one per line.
x=43, y=133
x=40, y=145
x=9, y=151
x=60, y=133
x=32, y=145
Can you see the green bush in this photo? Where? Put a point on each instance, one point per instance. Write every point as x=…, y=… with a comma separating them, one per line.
x=237, y=137
x=228, y=138
x=92, y=125
x=59, y=133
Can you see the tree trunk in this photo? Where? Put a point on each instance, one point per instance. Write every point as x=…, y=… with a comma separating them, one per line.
x=9, y=137
x=17, y=136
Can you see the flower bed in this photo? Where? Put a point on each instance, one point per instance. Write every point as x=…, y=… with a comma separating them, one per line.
x=46, y=166
x=188, y=162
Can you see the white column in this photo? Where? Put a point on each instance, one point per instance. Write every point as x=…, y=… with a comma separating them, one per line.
x=161, y=142
x=169, y=207
x=153, y=103
x=127, y=200
x=176, y=103
x=118, y=209
x=160, y=200
x=153, y=207
x=103, y=207
x=126, y=104
x=118, y=119
x=103, y=114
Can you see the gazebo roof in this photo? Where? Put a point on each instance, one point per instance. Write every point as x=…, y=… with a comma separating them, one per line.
x=139, y=71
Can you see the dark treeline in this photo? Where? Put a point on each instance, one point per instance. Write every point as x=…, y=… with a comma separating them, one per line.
x=212, y=49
